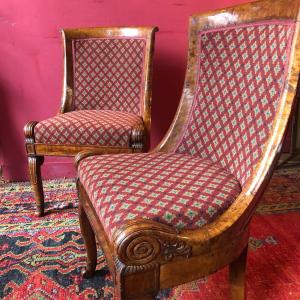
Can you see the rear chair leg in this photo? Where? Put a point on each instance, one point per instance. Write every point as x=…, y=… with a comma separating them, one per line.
x=34, y=163
x=90, y=243
x=237, y=270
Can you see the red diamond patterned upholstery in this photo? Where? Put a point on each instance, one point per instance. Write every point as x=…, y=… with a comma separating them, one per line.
x=175, y=189
x=241, y=75
x=88, y=127
x=108, y=73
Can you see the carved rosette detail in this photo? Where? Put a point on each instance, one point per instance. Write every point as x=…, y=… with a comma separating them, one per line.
x=142, y=250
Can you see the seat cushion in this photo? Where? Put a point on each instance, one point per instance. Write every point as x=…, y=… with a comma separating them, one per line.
x=88, y=127
x=176, y=189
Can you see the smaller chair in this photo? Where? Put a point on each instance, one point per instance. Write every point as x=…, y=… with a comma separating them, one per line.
x=106, y=100
x=183, y=211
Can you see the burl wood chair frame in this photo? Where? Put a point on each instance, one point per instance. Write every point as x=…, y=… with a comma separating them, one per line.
x=145, y=256
x=139, y=140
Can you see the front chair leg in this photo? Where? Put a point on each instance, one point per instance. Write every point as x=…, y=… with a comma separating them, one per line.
x=34, y=163
x=122, y=295
x=132, y=283
x=90, y=243
x=237, y=270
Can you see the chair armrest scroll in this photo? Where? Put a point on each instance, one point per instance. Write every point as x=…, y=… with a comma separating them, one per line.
x=143, y=243
x=29, y=131
x=138, y=138
x=29, y=137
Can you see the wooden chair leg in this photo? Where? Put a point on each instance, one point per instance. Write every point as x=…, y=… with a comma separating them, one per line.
x=237, y=270
x=34, y=163
x=131, y=285
x=90, y=244
x=122, y=296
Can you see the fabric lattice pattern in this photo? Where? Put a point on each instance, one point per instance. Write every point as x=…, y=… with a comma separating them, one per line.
x=88, y=127
x=174, y=189
x=108, y=74
x=241, y=74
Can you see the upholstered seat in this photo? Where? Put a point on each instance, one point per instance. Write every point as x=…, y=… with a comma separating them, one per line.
x=170, y=188
x=88, y=127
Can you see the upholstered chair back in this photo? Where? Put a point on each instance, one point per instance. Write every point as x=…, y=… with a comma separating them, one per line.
x=241, y=72
x=108, y=73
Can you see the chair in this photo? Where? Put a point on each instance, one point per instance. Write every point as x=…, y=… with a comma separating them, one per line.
x=182, y=211
x=106, y=100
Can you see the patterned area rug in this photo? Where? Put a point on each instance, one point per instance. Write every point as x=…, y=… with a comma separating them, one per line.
x=41, y=258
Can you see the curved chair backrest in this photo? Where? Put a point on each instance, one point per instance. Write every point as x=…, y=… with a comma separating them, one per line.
x=108, y=68
x=240, y=85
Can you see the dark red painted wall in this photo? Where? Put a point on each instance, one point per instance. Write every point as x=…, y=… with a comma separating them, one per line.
x=31, y=63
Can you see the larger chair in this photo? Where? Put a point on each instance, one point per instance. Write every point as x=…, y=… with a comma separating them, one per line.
x=183, y=211
x=106, y=100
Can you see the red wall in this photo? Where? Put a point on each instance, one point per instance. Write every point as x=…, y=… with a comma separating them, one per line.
x=31, y=63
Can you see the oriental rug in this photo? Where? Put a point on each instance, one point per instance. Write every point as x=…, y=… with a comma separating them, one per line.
x=41, y=258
